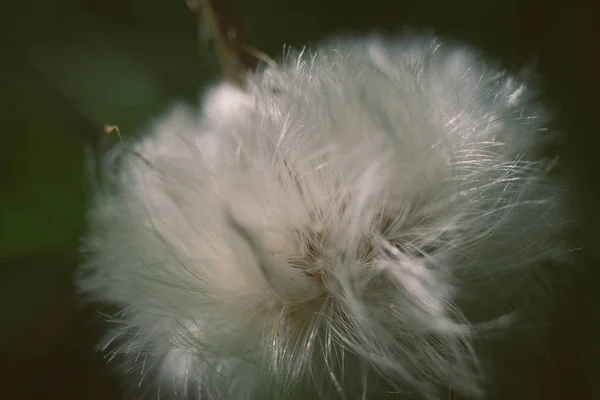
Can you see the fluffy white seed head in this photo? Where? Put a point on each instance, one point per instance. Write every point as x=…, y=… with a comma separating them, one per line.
x=345, y=228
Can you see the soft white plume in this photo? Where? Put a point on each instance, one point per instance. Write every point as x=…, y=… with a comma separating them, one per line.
x=347, y=227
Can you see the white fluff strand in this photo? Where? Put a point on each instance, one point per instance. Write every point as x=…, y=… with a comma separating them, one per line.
x=345, y=228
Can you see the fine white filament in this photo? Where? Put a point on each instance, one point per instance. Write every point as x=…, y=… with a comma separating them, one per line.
x=347, y=227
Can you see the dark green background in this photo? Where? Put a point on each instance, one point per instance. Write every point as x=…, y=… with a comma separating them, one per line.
x=69, y=66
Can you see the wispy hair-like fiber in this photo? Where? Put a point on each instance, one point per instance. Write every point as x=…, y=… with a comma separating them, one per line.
x=347, y=227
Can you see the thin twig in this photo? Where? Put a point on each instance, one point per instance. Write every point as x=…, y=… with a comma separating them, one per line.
x=217, y=24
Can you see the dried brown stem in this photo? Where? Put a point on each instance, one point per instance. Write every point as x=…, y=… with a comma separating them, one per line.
x=216, y=20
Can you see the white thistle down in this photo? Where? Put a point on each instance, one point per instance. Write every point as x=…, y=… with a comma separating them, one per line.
x=347, y=227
